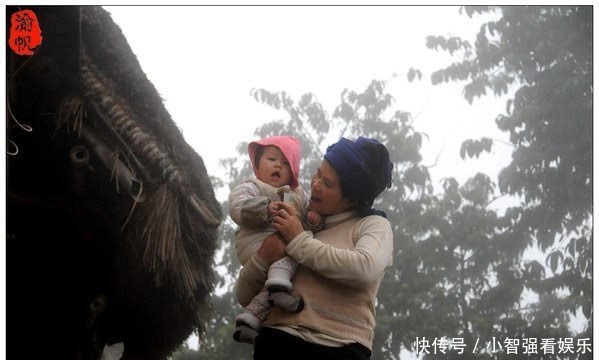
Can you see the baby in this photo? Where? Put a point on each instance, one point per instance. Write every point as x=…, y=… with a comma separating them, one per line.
x=275, y=161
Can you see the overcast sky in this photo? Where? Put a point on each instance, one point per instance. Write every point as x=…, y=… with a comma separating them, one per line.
x=204, y=61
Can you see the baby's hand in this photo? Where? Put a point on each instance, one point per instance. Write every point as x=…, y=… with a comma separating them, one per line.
x=272, y=208
x=313, y=218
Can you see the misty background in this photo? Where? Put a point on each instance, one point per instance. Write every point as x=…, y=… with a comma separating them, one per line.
x=487, y=112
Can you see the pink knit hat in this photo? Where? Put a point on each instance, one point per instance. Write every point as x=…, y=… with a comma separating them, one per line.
x=289, y=146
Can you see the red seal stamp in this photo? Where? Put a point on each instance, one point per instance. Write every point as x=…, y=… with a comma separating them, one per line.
x=25, y=32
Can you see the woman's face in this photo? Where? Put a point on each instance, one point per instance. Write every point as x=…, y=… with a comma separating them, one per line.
x=326, y=196
x=273, y=167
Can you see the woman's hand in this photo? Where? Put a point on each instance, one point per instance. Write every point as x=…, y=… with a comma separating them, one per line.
x=287, y=221
x=272, y=248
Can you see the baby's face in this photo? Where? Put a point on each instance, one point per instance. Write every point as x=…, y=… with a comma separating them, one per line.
x=273, y=167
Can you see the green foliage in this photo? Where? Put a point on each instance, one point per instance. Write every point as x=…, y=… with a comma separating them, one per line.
x=414, y=73
x=475, y=147
x=547, y=52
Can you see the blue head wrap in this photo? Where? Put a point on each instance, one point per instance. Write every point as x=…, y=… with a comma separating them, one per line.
x=351, y=161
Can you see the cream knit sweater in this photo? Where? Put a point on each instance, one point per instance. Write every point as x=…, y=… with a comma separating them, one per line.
x=340, y=272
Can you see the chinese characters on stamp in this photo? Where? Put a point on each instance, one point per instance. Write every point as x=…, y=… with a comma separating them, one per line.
x=25, y=32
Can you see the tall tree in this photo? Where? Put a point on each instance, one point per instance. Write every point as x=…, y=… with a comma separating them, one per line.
x=545, y=53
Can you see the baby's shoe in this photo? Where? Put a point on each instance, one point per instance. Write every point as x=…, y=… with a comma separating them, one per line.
x=283, y=300
x=246, y=329
x=245, y=334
